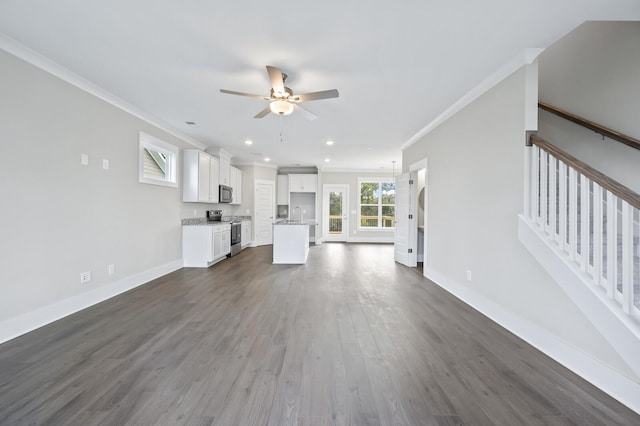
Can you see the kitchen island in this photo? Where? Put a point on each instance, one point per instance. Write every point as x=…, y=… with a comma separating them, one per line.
x=290, y=242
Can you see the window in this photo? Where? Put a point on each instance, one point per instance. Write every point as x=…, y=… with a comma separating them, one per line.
x=157, y=161
x=377, y=203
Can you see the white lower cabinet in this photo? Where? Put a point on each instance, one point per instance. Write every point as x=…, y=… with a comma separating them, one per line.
x=246, y=233
x=204, y=245
x=221, y=241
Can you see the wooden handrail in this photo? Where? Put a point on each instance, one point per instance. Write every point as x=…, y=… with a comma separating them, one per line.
x=604, y=131
x=604, y=181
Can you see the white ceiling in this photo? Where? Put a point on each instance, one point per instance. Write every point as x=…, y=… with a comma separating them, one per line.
x=397, y=65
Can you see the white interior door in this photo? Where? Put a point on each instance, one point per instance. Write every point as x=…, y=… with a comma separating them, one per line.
x=264, y=212
x=335, y=206
x=406, y=217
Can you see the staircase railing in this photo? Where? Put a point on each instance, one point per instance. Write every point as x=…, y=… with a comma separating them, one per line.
x=591, y=219
x=598, y=128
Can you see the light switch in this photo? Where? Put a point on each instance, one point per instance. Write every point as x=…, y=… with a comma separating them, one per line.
x=105, y=164
x=84, y=159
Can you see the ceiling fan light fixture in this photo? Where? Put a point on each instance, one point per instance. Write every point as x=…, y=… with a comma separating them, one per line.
x=281, y=107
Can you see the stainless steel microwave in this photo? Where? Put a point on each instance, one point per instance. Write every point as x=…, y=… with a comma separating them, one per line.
x=226, y=194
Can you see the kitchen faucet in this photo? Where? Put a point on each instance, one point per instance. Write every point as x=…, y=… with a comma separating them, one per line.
x=300, y=215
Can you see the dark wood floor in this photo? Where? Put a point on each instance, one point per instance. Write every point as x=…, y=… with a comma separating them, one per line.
x=349, y=338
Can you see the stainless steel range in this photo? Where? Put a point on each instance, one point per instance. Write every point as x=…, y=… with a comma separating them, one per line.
x=236, y=237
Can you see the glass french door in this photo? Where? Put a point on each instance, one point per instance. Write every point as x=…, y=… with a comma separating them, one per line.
x=335, y=212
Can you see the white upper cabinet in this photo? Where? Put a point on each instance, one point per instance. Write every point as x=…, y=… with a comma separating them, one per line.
x=235, y=181
x=203, y=177
x=225, y=171
x=196, y=181
x=283, y=190
x=303, y=183
x=224, y=166
x=214, y=180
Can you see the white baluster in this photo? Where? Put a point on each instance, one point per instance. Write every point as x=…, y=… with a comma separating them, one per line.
x=627, y=257
x=597, y=233
x=562, y=188
x=528, y=177
x=535, y=184
x=584, y=223
x=612, y=235
x=553, y=201
x=544, y=195
x=573, y=213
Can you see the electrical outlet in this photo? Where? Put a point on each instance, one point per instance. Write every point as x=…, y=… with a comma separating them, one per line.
x=111, y=269
x=468, y=275
x=85, y=277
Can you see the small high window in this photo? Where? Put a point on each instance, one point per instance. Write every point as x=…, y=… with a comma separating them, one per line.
x=157, y=161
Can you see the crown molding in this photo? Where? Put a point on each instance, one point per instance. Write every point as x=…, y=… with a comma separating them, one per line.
x=42, y=62
x=526, y=57
x=257, y=164
x=375, y=171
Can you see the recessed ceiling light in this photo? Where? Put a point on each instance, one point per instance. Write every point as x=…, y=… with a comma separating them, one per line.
x=329, y=143
x=369, y=148
x=267, y=159
x=190, y=123
x=326, y=160
x=248, y=142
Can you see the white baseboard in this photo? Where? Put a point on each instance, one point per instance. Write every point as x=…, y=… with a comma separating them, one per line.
x=605, y=378
x=22, y=324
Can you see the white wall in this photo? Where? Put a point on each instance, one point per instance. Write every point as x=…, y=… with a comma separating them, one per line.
x=593, y=72
x=60, y=218
x=475, y=181
x=351, y=179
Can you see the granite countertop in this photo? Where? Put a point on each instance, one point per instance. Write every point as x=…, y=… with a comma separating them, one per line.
x=203, y=221
x=235, y=218
x=291, y=222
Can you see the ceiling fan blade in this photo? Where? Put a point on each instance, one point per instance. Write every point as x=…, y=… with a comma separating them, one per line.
x=307, y=114
x=277, y=83
x=250, y=95
x=262, y=113
x=313, y=96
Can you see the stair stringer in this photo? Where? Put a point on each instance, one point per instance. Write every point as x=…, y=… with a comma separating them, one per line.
x=620, y=330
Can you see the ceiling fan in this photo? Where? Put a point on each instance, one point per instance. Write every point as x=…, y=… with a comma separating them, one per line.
x=282, y=99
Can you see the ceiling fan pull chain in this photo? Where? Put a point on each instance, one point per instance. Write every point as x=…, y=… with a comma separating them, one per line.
x=281, y=139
